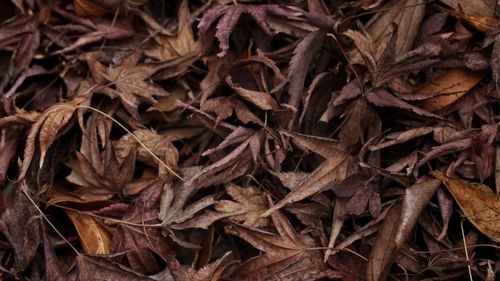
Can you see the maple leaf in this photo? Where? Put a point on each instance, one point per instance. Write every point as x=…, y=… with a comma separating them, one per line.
x=129, y=80
x=158, y=144
x=49, y=125
x=287, y=255
x=230, y=14
x=99, y=175
x=168, y=47
x=174, y=214
x=139, y=242
x=337, y=166
x=249, y=204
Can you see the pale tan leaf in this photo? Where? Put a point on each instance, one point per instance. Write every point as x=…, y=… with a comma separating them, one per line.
x=479, y=204
x=447, y=88
x=94, y=237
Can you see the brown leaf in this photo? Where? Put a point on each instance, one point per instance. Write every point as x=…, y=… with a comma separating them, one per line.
x=21, y=227
x=479, y=204
x=406, y=15
x=171, y=47
x=140, y=242
x=176, y=214
x=47, y=128
x=447, y=88
x=397, y=228
x=286, y=254
x=129, y=80
x=249, y=203
x=94, y=237
x=337, y=166
x=92, y=269
x=230, y=15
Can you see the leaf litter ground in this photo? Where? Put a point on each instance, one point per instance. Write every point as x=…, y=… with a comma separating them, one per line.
x=249, y=140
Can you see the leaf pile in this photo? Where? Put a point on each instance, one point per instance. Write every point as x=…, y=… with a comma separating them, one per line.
x=249, y=140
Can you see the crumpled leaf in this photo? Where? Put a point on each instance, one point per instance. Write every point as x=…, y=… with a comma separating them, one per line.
x=89, y=268
x=479, y=204
x=99, y=175
x=248, y=202
x=337, y=166
x=286, y=254
x=47, y=128
x=397, y=228
x=230, y=15
x=160, y=144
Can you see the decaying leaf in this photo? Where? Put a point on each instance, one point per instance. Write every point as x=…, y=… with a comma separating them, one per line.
x=95, y=238
x=446, y=89
x=397, y=228
x=479, y=204
x=337, y=166
x=249, y=202
x=230, y=15
x=286, y=254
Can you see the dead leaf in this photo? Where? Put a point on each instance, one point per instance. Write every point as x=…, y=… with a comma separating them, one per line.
x=249, y=203
x=176, y=214
x=167, y=47
x=94, y=237
x=446, y=89
x=286, y=254
x=406, y=15
x=337, y=166
x=230, y=15
x=47, y=128
x=397, y=228
x=20, y=225
x=479, y=204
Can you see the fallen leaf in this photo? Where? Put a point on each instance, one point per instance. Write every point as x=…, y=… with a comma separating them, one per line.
x=230, y=15
x=19, y=224
x=92, y=269
x=249, y=204
x=94, y=237
x=397, y=228
x=446, y=89
x=167, y=47
x=174, y=211
x=286, y=254
x=337, y=166
x=479, y=204
x=406, y=15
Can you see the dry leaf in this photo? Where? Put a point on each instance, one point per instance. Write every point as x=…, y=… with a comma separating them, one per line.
x=249, y=203
x=337, y=166
x=47, y=128
x=286, y=254
x=446, y=89
x=479, y=204
x=94, y=237
x=407, y=15
x=397, y=228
